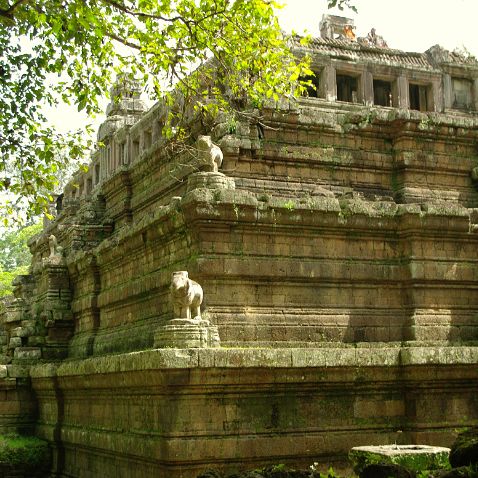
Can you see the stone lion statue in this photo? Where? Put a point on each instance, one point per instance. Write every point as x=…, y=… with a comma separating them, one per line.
x=56, y=251
x=210, y=154
x=186, y=296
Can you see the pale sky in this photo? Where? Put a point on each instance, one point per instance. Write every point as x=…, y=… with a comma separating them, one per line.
x=410, y=25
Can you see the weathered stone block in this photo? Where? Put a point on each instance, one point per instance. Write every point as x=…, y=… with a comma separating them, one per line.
x=27, y=353
x=5, y=359
x=17, y=371
x=22, y=331
x=413, y=457
x=15, y=342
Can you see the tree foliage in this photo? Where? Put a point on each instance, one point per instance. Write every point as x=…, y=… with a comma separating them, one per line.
x=342, y=4
x=14, y=251
x=15, y=255
x=71, y=50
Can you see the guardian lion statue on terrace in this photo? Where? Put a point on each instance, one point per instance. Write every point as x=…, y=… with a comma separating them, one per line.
x=186, y=296
x=210, y=154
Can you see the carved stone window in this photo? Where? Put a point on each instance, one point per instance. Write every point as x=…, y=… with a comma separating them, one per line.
x=135, y=148
x=109, y=159
x=420, y=97
x=462, y=93
x=347, y=88
x=312, y=90
x=122, y=154
x=147, y=139
x=382, y=93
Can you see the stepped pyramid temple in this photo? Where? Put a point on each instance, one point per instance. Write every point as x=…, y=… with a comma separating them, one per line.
x=278, y=293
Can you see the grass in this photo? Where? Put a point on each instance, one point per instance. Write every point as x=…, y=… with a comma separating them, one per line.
x=23, y=450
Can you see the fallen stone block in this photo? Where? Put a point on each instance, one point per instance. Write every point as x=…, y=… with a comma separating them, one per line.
x=413, y=457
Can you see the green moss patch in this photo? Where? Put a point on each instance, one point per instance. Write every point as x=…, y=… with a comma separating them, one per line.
x=24, y=450
x=416, y=458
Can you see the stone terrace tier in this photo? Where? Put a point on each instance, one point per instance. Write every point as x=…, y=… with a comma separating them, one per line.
x=174, y=413
x=345, y=224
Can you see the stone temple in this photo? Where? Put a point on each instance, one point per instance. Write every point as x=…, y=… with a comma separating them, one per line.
x=277, y=293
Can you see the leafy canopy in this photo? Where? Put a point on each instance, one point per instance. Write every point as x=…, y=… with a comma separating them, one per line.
x=71, y=50
x=342, y=4
x=15, y=255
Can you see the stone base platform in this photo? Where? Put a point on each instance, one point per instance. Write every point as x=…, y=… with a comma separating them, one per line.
x=210, y=180
x=187, y=333
x=172, y=413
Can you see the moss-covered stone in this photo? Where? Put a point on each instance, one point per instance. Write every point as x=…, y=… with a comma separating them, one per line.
x=412, y=457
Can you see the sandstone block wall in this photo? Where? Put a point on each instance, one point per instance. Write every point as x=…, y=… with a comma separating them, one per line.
x=173, y=413
x=345, y=225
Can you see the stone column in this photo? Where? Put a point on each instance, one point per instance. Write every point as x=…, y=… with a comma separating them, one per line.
x=436, y=97
x=328, y=84
x=366, y=80
x=115, y=154
x=447, y=91
x=403, y=96
x=127, y=151
x=475, y=94
x=103, y=165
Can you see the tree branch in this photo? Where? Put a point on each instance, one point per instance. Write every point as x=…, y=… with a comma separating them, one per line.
x=134, y=13
x=9, y=12
x=139, y=14
x=125, y=42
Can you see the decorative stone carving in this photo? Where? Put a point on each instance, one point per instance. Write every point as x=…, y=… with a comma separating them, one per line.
x=56, y=251
x=124, y=108
x=438, y=55
x=186, y=296
x=210, y=155
x=337, y=28
x=187, y=329
x=372, y=39
x=209, y=160
x=349, y=33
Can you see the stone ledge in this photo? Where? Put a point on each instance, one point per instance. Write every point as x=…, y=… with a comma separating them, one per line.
x=170, y=358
